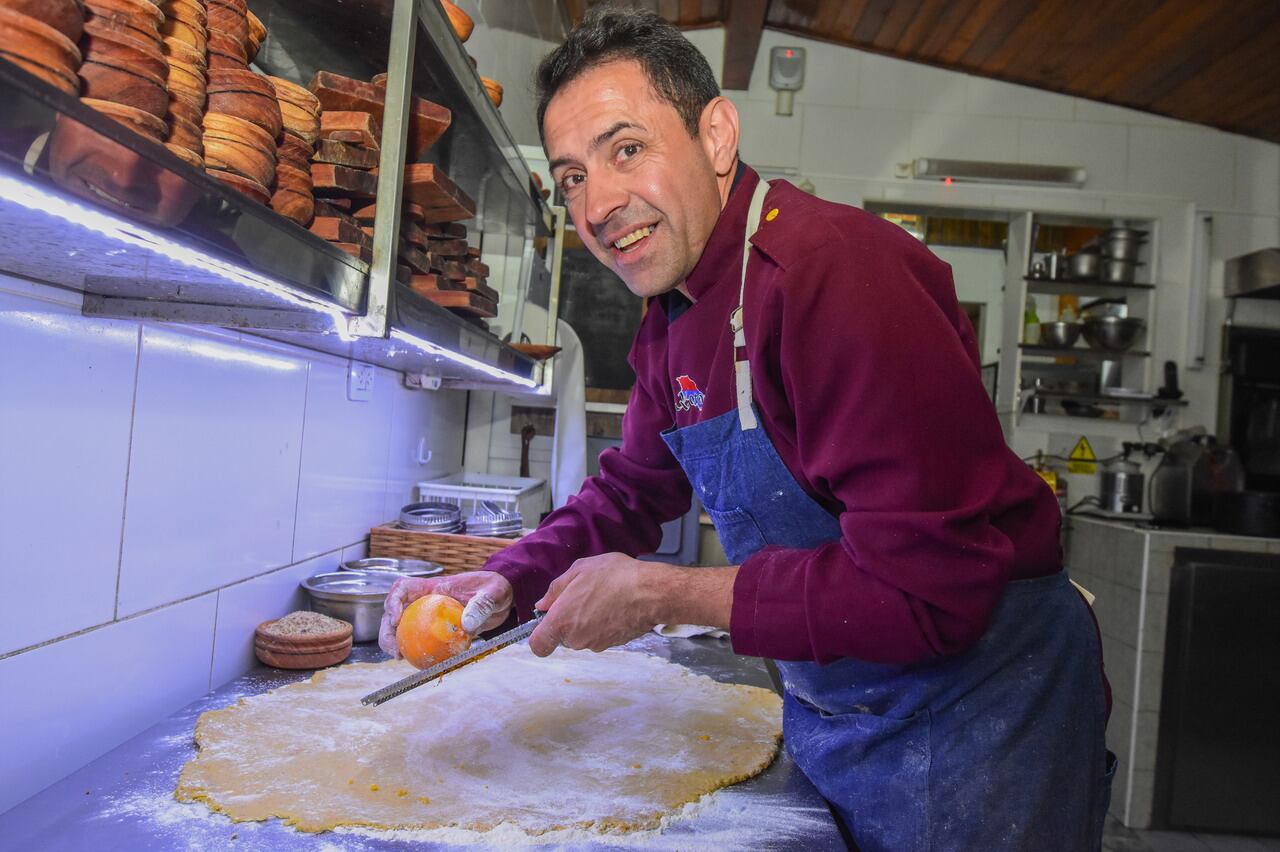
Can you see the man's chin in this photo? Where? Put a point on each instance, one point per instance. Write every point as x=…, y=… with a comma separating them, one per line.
x=646, y=287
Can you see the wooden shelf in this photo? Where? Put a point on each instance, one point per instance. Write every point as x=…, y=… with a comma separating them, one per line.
x=1080, y=352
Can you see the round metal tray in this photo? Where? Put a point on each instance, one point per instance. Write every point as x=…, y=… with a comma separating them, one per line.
x=397, y=567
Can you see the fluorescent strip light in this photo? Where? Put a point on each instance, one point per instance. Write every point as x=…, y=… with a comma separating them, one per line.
x=459, y=358
x=35, y=198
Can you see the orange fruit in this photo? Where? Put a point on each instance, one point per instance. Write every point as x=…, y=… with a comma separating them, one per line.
x=431, y=630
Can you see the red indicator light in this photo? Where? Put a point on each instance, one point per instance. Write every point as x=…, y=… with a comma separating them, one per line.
x=947, y=181
x=790, y=54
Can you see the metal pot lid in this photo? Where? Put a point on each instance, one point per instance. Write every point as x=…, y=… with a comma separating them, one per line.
x=433, y=516
x=359, y=586
x=391, y=565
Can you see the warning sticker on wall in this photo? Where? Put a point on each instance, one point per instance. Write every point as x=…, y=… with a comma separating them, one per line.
x=1082, y=458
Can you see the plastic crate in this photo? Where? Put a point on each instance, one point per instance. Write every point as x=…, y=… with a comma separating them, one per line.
x=466, y=490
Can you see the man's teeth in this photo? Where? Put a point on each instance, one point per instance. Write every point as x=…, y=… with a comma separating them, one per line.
x=635, y=236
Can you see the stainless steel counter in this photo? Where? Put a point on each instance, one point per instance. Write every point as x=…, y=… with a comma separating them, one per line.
x=124, y=799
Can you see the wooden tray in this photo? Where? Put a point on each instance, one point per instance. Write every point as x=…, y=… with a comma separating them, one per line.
x=463, y=301
x=536, y=351
x=455, y=552
x=440, y=198
x=427, y=121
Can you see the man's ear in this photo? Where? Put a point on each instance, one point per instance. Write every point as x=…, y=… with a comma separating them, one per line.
x=718, y=131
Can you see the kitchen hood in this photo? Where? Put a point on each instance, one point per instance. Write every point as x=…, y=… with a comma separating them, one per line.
x=1253, y=276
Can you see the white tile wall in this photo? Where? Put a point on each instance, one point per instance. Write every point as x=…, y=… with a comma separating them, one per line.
x=419, y=424
x=842, y=140
x=65, y=412
x=767, y=138
x=1192, y=163
x=206, y=431
x=1103, y=149
x=343, y=482
x=243, y=606
x=68, y=702
x=213, y=478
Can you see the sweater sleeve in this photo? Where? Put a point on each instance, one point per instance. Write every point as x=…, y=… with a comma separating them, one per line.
x=640, y=487
x=879, y=365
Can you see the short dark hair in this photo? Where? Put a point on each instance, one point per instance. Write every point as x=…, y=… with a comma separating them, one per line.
x=678, y=72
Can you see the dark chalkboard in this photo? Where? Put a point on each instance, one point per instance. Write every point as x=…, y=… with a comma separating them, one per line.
x=604, y=313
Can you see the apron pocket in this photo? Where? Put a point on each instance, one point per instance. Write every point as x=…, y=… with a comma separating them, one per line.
x=739, y=534
x=873, y=769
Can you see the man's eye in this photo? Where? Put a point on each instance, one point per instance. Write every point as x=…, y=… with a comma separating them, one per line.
x=568, y=182
x=629, y=151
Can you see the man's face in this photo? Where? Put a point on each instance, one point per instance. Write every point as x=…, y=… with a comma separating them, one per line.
x=642, y=192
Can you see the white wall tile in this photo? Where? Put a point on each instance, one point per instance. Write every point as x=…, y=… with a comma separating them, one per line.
x=359, y=550
x=213, y=477
x=1103, y=149
x=431, y=418
x=888, y=83
x=996, y=97
x=831, y=74
x=243, y=606
x=768, y=139
x=856, y=143
x=1196, y=164
x=66, y=404
x=962, y=137
x=1257, y=183
x=68, y=702
x=344, y=461
x=1087, y=110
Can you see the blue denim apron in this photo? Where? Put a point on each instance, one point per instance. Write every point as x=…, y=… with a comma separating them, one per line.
x=999, y=747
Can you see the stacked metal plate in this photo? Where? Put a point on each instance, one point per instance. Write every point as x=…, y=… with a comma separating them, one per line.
x=432, y=516
x=491, y=519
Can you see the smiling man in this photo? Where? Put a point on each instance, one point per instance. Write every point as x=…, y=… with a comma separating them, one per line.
x=805, y=369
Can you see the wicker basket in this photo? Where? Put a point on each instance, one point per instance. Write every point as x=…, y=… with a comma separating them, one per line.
x=455, y=552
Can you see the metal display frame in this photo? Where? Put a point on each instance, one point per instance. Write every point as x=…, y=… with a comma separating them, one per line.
x=236, y=264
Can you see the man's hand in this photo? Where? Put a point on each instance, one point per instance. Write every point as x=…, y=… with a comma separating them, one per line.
x=601, y=601
x=488, y=597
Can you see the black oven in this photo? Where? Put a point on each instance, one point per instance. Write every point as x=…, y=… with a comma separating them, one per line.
x=1249, y=402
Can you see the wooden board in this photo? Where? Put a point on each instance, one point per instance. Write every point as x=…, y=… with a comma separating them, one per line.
x=464, y=302
x=411, y=212
x=415, y=258
x=447, y=246
x=358, y=127
x=477, y=268
x=340, y=230
x=365, y=254
x=432, y=283
x=449, y=268
x=342, y=181
x=427, y=120
x=446, y=229
x=478, y=285
x=344, y=154
x=440, y=198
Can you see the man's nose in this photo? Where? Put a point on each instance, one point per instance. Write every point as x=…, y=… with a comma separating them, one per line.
x=603, y=199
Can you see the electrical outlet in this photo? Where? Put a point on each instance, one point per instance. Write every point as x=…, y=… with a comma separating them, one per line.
x=359, y=381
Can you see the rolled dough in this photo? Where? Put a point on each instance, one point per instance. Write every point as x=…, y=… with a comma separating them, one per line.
x=610, y=742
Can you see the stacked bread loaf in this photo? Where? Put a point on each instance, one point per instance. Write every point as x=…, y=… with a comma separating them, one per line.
x=124, y=73
x=242, y=123
x=185, y=34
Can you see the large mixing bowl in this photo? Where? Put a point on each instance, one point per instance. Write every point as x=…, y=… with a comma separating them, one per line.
x=1112, y=334
x=1060, y=335
x=356, y=597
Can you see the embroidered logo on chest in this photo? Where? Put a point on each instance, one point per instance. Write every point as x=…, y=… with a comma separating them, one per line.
x=687, y=394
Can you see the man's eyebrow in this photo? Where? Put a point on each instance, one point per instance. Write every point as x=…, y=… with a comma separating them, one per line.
x=600, y=139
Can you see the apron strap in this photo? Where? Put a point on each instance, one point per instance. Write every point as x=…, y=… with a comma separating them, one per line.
x=741, y=367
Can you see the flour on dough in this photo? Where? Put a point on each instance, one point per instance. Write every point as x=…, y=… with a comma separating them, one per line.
x=610, y=742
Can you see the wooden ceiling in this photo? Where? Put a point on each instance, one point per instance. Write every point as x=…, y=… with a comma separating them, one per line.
x=1204, y=61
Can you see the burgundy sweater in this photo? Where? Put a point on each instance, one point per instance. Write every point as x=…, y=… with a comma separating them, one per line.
x=865, y=374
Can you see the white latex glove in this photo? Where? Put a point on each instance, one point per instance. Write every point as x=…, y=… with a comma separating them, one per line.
x=487, y=596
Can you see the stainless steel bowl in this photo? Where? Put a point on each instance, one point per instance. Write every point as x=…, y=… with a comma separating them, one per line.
x=431, y=516
x=1112, y=334
x=1060, y=335
x=398, y=567
x=356, y=597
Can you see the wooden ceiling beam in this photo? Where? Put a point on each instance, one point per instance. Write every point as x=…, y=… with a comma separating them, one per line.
x=744, y=22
